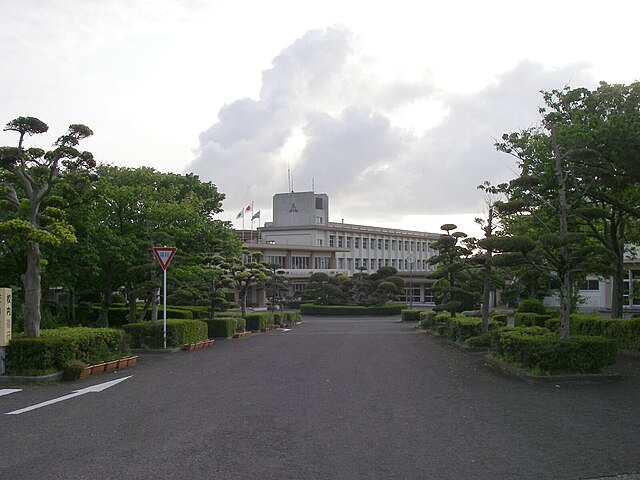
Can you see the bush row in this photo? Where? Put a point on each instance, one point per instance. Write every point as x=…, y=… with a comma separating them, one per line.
x=350, y=310
x=56, y=348
x=179, y=332
x=545, y=353
x=625, y=333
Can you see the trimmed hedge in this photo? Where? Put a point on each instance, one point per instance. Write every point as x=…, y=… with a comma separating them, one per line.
x=460, y=329
x=501, y=318
x=352, y=310
x=223, y=327
x=532, y=306
x=259, y=321
x=410, y=315
x=172, y=312
x=179, y=332
x=56, y=348
x=521, y=319
x=544, y=353
x=625, y=333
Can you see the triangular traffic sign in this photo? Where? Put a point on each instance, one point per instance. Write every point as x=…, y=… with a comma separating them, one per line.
x=164, y=255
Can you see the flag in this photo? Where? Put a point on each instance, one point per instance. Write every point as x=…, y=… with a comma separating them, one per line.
x=240, y=214
x=256, y=215
x=248, y=209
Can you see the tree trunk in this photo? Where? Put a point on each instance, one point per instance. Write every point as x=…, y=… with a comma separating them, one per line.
x=72, y=307
x=131, y=303
x=32, y=291
x=243, y=301
x=617, y=291
x=154, y=304
x=105, y=303
x=564, y=270
x=486, y=297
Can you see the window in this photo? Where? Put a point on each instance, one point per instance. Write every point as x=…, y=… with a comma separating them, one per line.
x=357, y=263
x=319, y=242
x=299, y=263
x=394, y=245
x=411, y=294
x=364, y=242
x=356, y=242
x=386, y=262
x=386, y=244
x=276, y=259
x=379, y=244
x=340, y=242
x=406, y=245
x=318, y=203
x=319, y=220
x=349, y=242
x=590, y=285
x=428, y=295
x=349, y=263
x=322, y=263
x=341, y=263
x=394, y=263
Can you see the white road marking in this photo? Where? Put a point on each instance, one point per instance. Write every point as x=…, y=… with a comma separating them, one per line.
x=7, y=391
x=93, y=389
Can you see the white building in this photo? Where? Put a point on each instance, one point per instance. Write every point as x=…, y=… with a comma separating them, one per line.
x=303, y=241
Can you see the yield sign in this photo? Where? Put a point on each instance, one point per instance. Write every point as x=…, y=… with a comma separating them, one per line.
x=164, y=255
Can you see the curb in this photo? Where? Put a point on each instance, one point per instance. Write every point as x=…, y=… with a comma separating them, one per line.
x=52, y=377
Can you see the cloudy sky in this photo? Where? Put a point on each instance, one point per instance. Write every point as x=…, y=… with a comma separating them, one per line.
x=391, y=108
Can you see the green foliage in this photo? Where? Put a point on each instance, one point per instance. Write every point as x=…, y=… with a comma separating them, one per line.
x=500, y=318
x=352, y=310
x=530, y=319
x=259, y=321
x=179, y=332
x=459, y=329
x=221, y=327
x=56, y=348
x=544, y=353
x=427, y=319
x=411, y=315
x=484, y=340
x=625, y=333
x=532, y=306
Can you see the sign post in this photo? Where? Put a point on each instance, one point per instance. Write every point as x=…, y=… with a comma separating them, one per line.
x=5, y=324
x=164, y=256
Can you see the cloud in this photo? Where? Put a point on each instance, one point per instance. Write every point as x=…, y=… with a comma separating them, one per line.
x=321, y=92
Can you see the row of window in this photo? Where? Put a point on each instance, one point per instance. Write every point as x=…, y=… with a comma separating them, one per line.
x=376, y=263
x=377, y=243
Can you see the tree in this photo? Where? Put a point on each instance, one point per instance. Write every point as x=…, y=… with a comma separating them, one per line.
x=322, y=289
x=244, y=276
x=548, y=191
x=28, y=175
x=276, y=287
x=601, y=130
x=450, y=261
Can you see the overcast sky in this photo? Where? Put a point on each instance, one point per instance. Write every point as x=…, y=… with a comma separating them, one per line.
x=391, y=108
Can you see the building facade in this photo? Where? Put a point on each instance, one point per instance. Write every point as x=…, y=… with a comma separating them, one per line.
x=303, y=240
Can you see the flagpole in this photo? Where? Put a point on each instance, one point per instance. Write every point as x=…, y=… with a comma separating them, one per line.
x=251, y=229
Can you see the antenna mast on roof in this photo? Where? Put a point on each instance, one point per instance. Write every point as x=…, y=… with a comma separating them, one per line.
x=289, y=178
x=313, y=185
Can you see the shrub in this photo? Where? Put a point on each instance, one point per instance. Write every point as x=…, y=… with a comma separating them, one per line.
x=485, y=339
x=292, y=317
x=500, y=318
x=427, y=319
x=351, y=310
x=172, y=312
x=259, y=321
x=279, y=318
x=532, y=306
x=625, y=333
x=221, y=327
x=542, y=352
x=179, y=332
x=56, y=348
x=411, y=315
x=529, y=319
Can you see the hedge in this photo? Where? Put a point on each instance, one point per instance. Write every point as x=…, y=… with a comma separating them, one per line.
x=223, y=327
x=625, y=333
x=56, y=348
x=532, y=306
x=460, y=329
x=521, y=319
x=545, y=353
x=352, y=310
x=259, y=321
x=179, y=332
x=411, y=315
